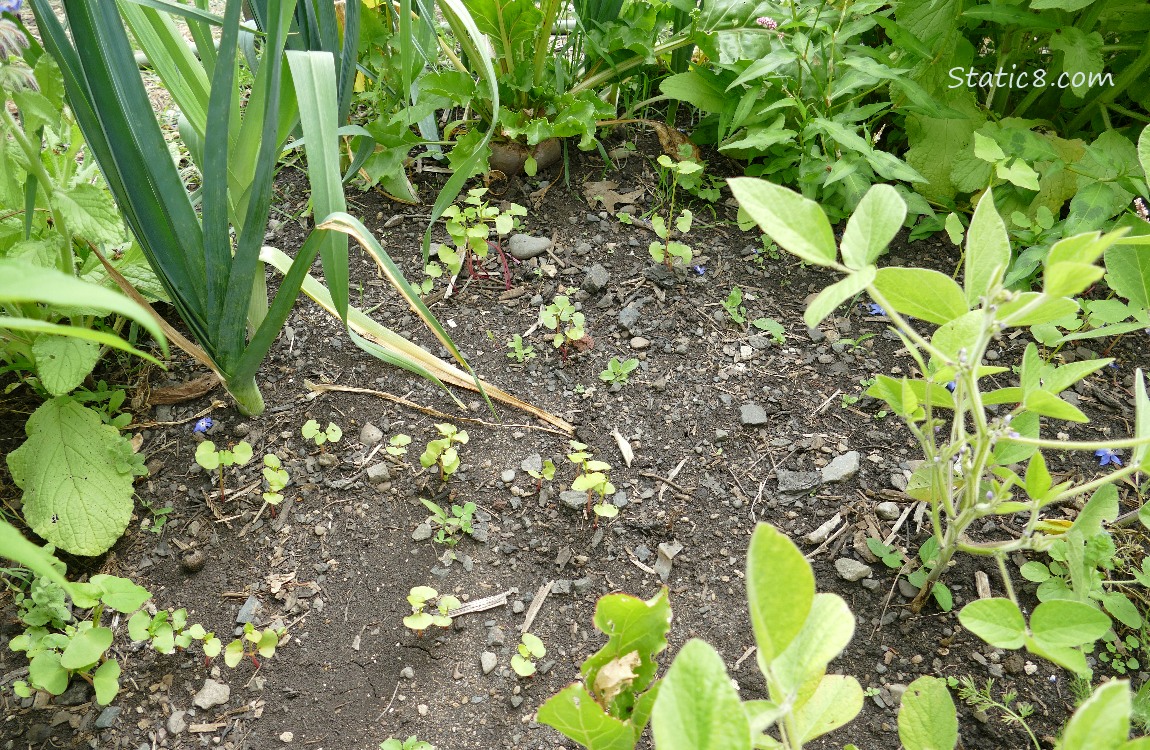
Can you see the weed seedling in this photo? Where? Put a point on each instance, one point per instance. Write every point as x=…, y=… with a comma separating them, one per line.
x=546, y=473
x=277, y=478
x=441, y=453
x=619, y=372
x=262, y=642
x=593, y=480
x=451, y=524
x=567, y=323
x=215, y=460
x=519, y=352
x=411, y=743
x=982, y=699
x=397, y=445
x=470, y=227
x=330, y=434
x=665, y=250
x=772, y=328
x=530, y=649
x=420, y=618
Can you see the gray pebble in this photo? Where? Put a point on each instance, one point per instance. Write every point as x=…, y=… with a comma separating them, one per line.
x=488, y=661
x=852, y=570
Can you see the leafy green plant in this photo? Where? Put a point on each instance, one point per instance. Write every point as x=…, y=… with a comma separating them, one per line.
x=968, y=474
x=330, y=434
x=397, y=445
x=276, y=477
x=771, y=327
x=420, y=599
x=619, y=372
x=441, y=452
x=451, y=524
x=519, y=352
x=666, y=250
x=561, y=317
x=411, y=743
x=547, y=473
x=215, y=459
x=529, y=650
x=254, y=641
x=470, y=228
x=593, y=479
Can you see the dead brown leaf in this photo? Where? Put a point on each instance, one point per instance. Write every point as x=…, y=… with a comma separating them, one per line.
x=176, y=394
x=614, y=676
x=604, y=192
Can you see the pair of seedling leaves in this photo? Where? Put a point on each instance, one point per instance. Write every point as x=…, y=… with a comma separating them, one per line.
x=592, y=479
x=441, y=451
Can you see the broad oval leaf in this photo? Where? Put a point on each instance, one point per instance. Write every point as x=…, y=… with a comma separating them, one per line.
x=1102, y=722
x=875, y=222
x=86, y=648
x=796, y=223
x=958, y=334
x=922, y=293
x=1067, y=623
x=106, y=681
x=836, y=294
x=927, y=719
x=987, y=250
x=120, y=594
x=780, y=590
x=826, y=633
x=997, y=621
x=698, y=708
x=1035, y=308
x=576, y=715
x=46, y=673
x=837, y=700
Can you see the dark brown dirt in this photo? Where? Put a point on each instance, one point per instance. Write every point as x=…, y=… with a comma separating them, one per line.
x=334, y=566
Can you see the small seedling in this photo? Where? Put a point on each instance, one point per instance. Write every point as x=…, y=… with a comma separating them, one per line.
x=441, y=453
x=330, y=434
x=546, y=473
x=212, y=460
x=519, y=352
x=733, y=304
x=771, y=327
x=411, y=743
x=666, y=250
x=593, y=479
x=420, y=618
x=451, y=524
x=253, y=641
x=853, y=345
x=470, y=227
x=159, y=516
x=277, y=478
x=560, y=316
x=619, y=372
x=397, y=445
x=530, y=649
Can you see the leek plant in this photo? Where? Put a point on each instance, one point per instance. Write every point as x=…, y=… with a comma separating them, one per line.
x=209, y=260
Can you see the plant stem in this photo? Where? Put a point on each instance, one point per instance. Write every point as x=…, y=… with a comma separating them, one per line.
x=247, y=394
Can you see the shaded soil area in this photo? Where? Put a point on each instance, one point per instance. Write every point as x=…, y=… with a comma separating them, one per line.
x=727, y=426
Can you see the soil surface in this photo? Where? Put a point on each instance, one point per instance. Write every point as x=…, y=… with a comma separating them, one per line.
x=728, y=428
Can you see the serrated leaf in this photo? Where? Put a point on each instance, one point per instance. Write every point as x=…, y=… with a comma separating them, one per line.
x=73, y=495
x=62, y=362
x=89, y=212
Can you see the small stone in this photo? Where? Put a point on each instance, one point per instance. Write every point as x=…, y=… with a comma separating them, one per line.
x=248, y=612
x=422, y=531
x=495, y=636
x=369, y=434
x=407, y=673
x=797, y=482
x=816, y=335
x=887, y=510
x=524, y=246
x=752, y=415
x=77, y=693
x=907, y=589
x=597, y=279
x=320, y=530
x=212, y=694
x=852, y=570
x=176, y=722
x=573, y=499
x=488, y=661
x=193, y=562
x=534, y=462
x=841, y=467
x=629, y=317
x=287, y=737
x=108, y=717
x=378, y=473
x=638, y=343
x=561, y=587
x=582, y=585
x=508, y=476
x=516, y=701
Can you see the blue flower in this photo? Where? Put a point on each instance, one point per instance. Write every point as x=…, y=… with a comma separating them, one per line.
x=872, y=308
x=700, y=269
x=951, y=386
x=10, y=6
x=1108, y=456
x=203, y=425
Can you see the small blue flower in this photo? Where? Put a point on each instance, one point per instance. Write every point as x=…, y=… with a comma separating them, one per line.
x=10, y=6
x=951, y=386
x=1108, y=456
x=203, y=425
x=872, y=308
x=700, y=269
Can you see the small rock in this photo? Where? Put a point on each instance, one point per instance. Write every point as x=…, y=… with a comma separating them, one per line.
x=667, y=552
x=508, y=476
x=841, y=467
x=422, y=531
x=629, y=317
x=369, y=434
x=797, y=482
x=752, y=415
x=248, y=612
x=816, y=335
x=488, y=661
x=193, y=562
x=582, y=585
x=495, y=636
x=887, y=510
x=108, y=717
x=176, y=722
x=378, y=473
x=638, y=343
x=561, y=587
x=77, y=693
x=212, y=694
x=534, y=462
x=597, y=279
x=852, y=570
x=516, y=701
x=287, y=737
x=524, y=246
x=407, y=673
x=907, y=589
x=573, y=499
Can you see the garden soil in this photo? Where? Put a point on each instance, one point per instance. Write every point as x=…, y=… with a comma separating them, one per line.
x=727, y=427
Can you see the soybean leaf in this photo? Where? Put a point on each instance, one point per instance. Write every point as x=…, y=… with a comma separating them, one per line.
x=827, y=631
x=575, y=714
x=698, y=708
x=836, y=700
x=1067, y=623
x=780, y=590
x=922, y=293
x=796, y=223
x=631, y=625
x=1141, y=411
x=997, y=621
x=873, y=225
x=37, y=559
x=927, y=719
x=1102, y=722
x=987, y=250
x=835, y=294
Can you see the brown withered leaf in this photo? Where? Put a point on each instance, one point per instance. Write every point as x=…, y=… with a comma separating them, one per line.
x=175, y=394
x=615, y=676
x=604, y=192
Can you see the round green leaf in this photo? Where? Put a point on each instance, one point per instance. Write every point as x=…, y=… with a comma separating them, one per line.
x=698, y=708
x=1067, y=623
x=926, y=718
x=121, y=594
x=86, y=648
x=999, y=622
x=46, y=673
x=922, y=293
x=106, y=680
x=234, y=653
x=522, y=666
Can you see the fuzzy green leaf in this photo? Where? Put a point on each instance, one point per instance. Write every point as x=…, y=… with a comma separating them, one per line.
x=926, y=717
x=999, y=622
x=780, y=590
x=922, y=293
x=987, y=250
x=698, y=708
x=796, y=223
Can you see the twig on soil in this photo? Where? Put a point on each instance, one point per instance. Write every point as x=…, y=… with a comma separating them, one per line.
x=898, y=524
x=536, y=605
x=393, y=692
x=641, y=566
x=825, y=404
x=318, y=388
x=480, y=605
x=666, y=481
x=746, y=654
x=814, y=553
